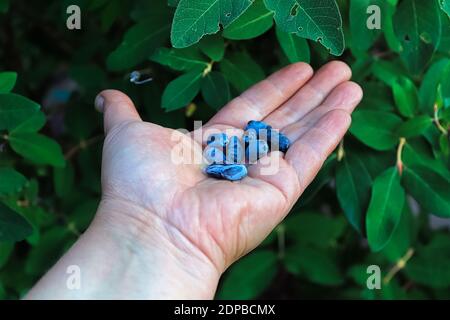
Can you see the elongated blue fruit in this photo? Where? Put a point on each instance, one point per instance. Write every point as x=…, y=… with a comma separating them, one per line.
x=255, y=150
x=214, y=154
x=235, y=151
x=257, y=125
x=231, y=172
x=217, y=140
x=278, y=141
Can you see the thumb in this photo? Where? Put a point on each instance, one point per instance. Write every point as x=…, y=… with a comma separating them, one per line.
x=117, y=108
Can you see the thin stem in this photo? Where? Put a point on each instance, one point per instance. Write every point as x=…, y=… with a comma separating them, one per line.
x=281, y=233
x=399, y=155
x=82, y=145
x=401, y=263
x=436, y=120
x=340, y=151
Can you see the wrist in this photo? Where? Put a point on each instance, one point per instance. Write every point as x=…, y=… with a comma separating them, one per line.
x=157, y=260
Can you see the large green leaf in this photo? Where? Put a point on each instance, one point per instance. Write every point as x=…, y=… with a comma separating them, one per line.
x=215, y=90
x=194, y=19
x=389, y=9
x=377, y=129
x=430, y=265
x=11, y=181
x=314, y=228
x=248, y=278
x=314, y=264
x=429, y=189
x=13, y=227
x=251, y=24
x=180, y=59
x=15, y=109
x=417, y=24
x=37, y=148
x=318, y=20
x=405, y=96
x=353, y=184
x=403, y=237
x=33, y=124
x=430, y=82
x=295, y=48
x=181, y=91
x=139, y=42
x=213, y=46
x=7, y=81
x=362, y=37
x=385, y=208
x=241, y=70
x=415, y=126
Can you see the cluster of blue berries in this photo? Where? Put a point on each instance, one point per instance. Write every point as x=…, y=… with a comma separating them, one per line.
x=227, y=157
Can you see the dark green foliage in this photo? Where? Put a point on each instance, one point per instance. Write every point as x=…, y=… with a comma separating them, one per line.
x=387, y=181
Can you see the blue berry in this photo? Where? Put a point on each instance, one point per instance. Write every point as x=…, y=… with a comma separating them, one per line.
x=217, y=140
x=279, y=141
x=235, y=152
x=249, y=135
x=214, y=154
x=257, y=125
x=231, y=172
x=255, y=150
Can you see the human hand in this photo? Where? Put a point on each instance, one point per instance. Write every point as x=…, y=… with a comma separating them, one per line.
x=166, y=230
x=218, y=221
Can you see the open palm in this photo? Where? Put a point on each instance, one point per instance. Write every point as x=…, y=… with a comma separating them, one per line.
x=222, y=220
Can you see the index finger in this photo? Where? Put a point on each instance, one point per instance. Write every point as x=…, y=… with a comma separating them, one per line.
x=264, y=97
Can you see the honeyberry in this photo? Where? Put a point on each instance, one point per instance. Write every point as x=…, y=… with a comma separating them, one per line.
x=235, y=152
x=217, y=140
x=255, y=150
x=231, y=172
x=214, y=154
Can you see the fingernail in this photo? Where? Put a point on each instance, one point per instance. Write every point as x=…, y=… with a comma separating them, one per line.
x=99, y=103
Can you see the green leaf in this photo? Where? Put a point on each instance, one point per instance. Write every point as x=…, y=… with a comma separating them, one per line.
x=403, y=237
x=445, y=6
x=417, y=24
x=388, y=71
x=252, y=23
x=363, y=37
x=7, y=81
x=6, y=248
x=213, y=46
x=139, y=42
x=430, y=82
x=37, y=148
x=415, y=126
x=33, y=124
x=215, y=90
x=353, y=184
x=193, y=20
x=4, y=6
x=310, y=19
x=314, y=264
x=377, y=129
x=385, y=208
x=180, y=59
x=15, y=109
x=429, y=189
x=250, y=276
x=181, y=91
x=11, y=181
x=241, y=71
x=13, y=227
x=315, y=229
x=295, y=48
x=389, y=9
x=430, y=265
x=405, y=96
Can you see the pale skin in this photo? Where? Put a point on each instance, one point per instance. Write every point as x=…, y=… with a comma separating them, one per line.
x=166, y=231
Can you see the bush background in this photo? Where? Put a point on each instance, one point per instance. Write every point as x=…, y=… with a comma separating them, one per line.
x=382, y=198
